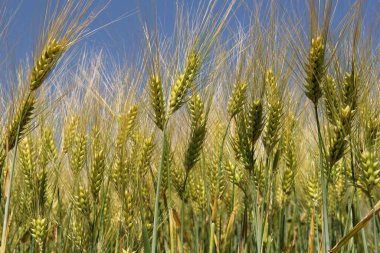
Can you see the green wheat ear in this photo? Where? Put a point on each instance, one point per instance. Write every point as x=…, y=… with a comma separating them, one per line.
x=183, y=83
x=77, y=234
x=38, y=227
x=198, y=132
x=271, y=134
x=126, y=123
x=146, y=155
x=290, y=161
x=315, y=70
x=255, y=121
x=157, y=101
x=22, y=118
x=372, y=131
x=237, y=99
x=332, y=102
x=97, y=170
x=128, y=210
x=369, y=164
x=78, y=153
x=69, y=132
x=350, y=90
x=27, y=159
x=82, y=201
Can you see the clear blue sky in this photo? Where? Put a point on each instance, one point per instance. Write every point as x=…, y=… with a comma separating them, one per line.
x=123, y=37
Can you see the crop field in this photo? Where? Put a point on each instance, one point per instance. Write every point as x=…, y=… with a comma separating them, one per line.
x=222, y=136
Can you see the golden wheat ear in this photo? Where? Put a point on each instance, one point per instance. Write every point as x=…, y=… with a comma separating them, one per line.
x=45, y=64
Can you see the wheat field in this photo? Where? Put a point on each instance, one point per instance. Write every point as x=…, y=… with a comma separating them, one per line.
x=219, y=138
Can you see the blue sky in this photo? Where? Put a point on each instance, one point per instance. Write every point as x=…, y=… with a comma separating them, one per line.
x=123, y=37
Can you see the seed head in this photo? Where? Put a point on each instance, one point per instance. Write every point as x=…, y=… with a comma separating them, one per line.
x=183, y=83
x=22, y=117
x=315, y=70
x=45, y=64
x=237, y=99
x=255, y=121
x=38, y=227
x=369, y=164
x=157, y=101
x=198, y=132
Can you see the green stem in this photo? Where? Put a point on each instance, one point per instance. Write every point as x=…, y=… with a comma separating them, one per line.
x=183, y=209
x=218, y=181
x=182, y=221
x=157, y=196
x=144, y=232
x=258, y=226
x=282, y=220
x=326, y=241
x=211, y=245
x=297, y=216
x=375, y=228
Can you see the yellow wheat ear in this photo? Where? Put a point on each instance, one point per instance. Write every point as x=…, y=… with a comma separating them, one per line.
x=45, y=64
